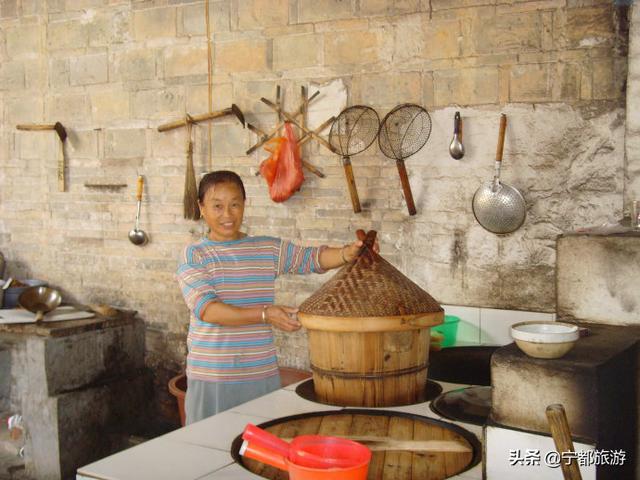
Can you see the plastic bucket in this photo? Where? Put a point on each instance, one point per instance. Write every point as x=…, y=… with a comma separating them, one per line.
x=449, y=329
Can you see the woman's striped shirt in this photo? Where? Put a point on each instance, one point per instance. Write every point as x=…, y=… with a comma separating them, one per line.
x=240, y=273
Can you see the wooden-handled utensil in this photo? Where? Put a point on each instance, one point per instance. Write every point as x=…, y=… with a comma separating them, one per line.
x=62, y=135
x=137, y=236
x=559, y=426
x=353, y=132
x=40, y=300
x=406, y=186
x=99, y=308
x=498, y=207
x=233, y=110
x=404, y=131
x=387, y=443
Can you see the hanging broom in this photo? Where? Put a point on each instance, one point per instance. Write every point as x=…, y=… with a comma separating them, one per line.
x=191, y=209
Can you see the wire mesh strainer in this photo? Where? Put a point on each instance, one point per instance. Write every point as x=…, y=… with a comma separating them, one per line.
x=351, y=133
x=404, y=131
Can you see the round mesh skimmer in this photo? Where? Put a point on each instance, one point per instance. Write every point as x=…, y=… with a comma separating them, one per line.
x=498, y=207
x=354, y=130
x=351, y=133
x=404, y=131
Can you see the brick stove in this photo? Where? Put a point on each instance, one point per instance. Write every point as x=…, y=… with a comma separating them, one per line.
x=598, y=287
x=79, y=385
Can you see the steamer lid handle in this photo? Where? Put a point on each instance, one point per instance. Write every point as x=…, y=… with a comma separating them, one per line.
x=368, y=239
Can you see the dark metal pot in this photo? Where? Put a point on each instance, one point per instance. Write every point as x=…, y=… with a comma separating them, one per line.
x=469, y=365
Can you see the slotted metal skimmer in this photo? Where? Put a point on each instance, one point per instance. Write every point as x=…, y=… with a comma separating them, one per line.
x=498, y=207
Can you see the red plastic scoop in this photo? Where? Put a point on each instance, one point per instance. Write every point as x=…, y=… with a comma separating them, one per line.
x=312, y=451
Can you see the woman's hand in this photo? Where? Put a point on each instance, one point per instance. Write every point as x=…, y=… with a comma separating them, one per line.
x=284, y=318
x=350, y=252
x=338, y=256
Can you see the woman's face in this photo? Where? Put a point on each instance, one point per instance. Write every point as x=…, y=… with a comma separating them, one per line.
x=223, y=209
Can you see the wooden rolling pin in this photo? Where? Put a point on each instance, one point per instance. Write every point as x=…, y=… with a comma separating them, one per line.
x=387, y=443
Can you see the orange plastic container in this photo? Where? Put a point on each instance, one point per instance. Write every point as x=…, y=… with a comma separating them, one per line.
x=358, y=455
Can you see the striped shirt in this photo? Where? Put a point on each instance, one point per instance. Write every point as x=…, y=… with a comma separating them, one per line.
x=240, y=273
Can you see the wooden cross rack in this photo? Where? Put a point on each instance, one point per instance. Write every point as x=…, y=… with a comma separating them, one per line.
x=298, y=118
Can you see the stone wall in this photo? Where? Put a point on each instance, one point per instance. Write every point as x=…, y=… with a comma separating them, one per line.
x=113, y=70
x=632, y=139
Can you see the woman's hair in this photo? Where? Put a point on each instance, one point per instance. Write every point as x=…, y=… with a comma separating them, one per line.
x=212, y=179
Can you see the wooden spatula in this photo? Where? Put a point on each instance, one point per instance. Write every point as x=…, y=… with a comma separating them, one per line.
x=388, y=443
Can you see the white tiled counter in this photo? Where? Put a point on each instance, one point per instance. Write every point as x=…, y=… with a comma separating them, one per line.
x=202, y=451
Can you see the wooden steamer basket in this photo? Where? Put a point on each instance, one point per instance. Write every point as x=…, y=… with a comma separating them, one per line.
x=369, y=333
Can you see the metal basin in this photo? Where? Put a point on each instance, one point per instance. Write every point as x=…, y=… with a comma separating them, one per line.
x=40, y=300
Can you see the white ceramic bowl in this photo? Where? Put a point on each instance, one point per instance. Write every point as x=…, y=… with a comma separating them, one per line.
x=545, y=339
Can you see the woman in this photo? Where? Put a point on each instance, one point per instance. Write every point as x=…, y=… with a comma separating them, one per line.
x=227, y=281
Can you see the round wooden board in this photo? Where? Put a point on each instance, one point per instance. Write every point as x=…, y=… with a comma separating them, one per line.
x=385, y=464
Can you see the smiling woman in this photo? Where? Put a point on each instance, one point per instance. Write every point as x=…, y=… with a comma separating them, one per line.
x=228, y=283
x=222, y=207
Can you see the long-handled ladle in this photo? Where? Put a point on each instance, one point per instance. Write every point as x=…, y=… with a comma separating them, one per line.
x=137, y=236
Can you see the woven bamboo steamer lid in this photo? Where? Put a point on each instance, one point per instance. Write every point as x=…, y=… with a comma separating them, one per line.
x=369, y=294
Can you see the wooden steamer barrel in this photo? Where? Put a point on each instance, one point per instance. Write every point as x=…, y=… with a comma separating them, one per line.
x=369, y=334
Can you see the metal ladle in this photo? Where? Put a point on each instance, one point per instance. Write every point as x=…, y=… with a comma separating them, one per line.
x=456, y=148
x=40, y=300
x=137, y=236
